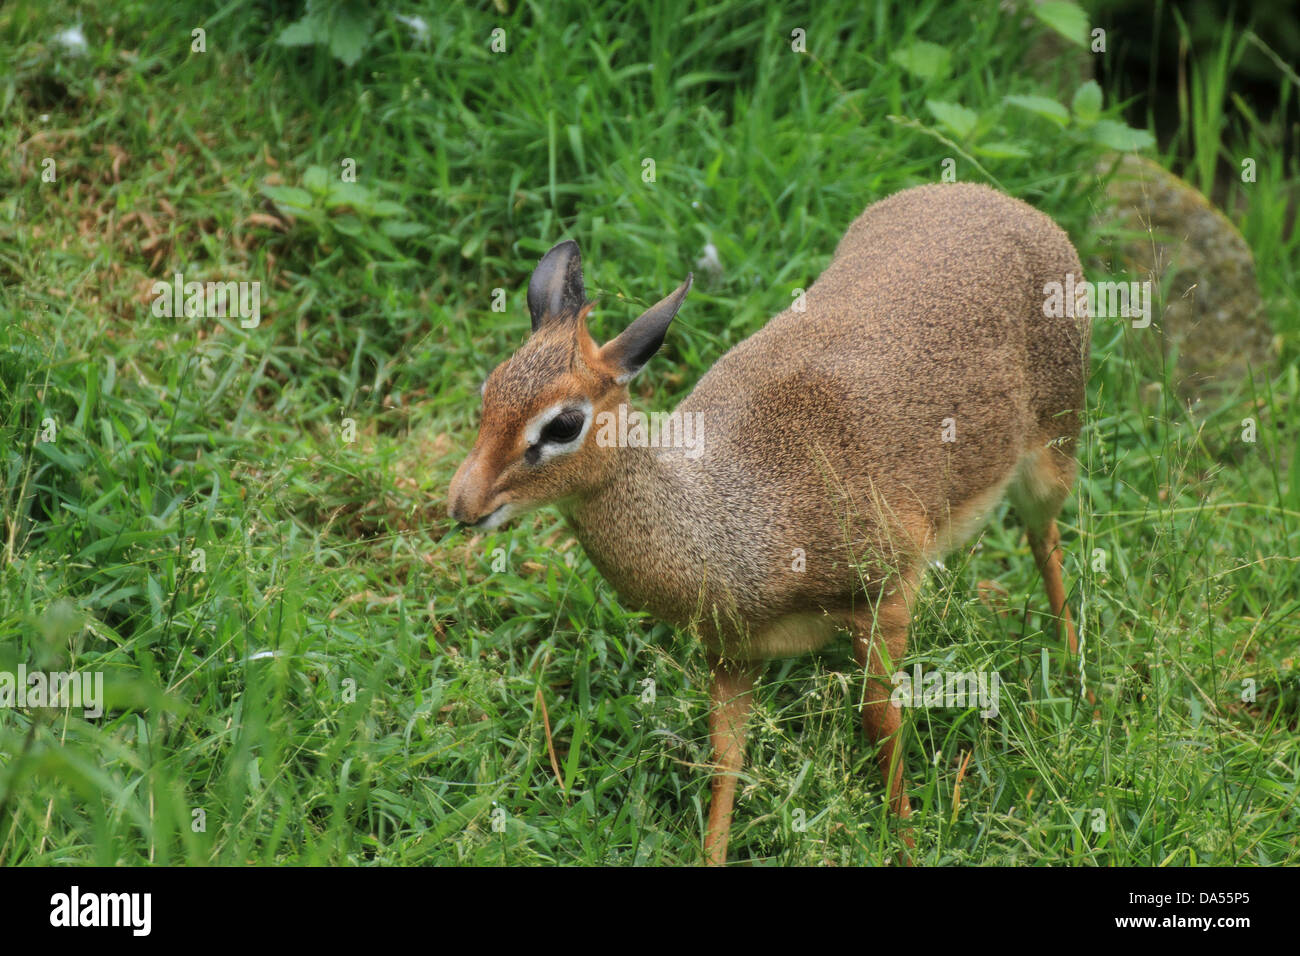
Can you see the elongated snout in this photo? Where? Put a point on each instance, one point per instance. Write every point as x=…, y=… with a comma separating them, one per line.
x=470, y=488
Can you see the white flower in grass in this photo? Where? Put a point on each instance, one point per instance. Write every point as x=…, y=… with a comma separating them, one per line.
x=418, y=27
x=709, y=262
x=72, y=40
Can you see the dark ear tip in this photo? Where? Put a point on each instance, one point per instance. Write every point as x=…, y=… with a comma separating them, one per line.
x=564, y=250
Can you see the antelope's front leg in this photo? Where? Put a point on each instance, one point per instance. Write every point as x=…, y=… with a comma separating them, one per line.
x=879, y=643
x=732, y=684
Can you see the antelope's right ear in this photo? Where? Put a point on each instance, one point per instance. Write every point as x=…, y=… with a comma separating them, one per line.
x=628, y=353
x=556, y=290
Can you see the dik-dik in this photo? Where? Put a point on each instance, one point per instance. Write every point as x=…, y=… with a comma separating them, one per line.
x=840, y=447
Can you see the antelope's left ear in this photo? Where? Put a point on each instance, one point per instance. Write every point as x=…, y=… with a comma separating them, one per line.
x=556, y=290
x=628, y=353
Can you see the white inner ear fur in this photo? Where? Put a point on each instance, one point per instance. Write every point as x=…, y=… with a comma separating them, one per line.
x=533, y=430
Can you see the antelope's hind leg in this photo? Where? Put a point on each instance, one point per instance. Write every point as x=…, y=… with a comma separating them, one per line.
x=1040, y=487
x=1037, y=493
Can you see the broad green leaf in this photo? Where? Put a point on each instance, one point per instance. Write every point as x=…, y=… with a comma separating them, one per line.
x=1043, y=106
x=377, y=241
x=924, y=60
x=354, y=195
x=1086, y=104
x=957, y=119
x=1067, y=19
x=316, y=179
x=400, y=230
x=349, y=32
x=290, y=196
x=304, y=32
x=386, y=208
x=1116, y=135
x=348, y=47
x=349, y=225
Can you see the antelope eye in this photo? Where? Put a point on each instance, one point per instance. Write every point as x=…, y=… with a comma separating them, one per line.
x=564, y=427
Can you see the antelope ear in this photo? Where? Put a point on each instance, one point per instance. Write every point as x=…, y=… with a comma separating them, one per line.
x=556, y=288
x=628, y=353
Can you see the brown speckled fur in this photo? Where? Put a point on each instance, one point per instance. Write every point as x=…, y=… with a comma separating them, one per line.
x=822, y=432
x=930, y=309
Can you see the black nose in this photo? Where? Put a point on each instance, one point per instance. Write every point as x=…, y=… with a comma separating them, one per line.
x=457, y=512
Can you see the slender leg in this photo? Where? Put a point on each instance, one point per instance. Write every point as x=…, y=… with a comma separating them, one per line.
x=1046, y=545
x=732, y=700
x=880, y=642
x=1037, y=498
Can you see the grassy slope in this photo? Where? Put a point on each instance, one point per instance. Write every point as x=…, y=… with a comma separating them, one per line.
x=403, y=703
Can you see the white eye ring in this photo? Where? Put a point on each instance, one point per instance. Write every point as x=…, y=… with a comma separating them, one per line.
x=548, y=450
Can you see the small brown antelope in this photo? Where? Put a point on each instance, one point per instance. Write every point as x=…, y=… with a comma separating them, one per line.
x=837, y=450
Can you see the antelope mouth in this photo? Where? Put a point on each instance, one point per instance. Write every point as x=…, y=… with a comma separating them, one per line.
x=491, y=519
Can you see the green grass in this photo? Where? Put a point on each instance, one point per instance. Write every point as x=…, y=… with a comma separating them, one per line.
x=341, y=679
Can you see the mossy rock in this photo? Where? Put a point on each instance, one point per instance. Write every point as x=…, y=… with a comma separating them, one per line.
x=1207, y=308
